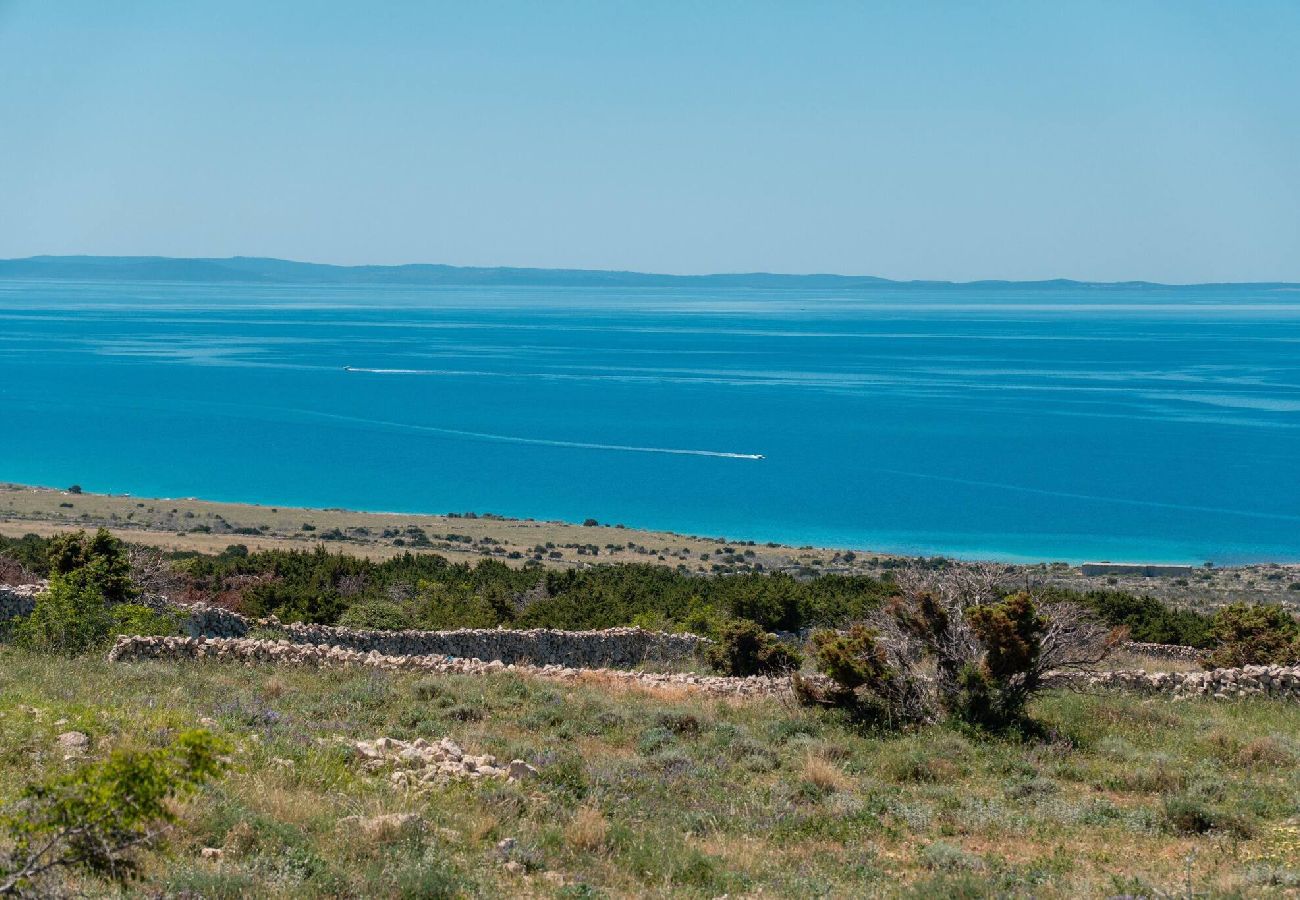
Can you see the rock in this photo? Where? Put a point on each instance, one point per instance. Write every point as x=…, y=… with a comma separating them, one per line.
x=213, y=853
x=519, y=770
x=73, y=743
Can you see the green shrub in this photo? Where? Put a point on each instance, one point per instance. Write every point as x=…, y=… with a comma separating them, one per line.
x=743, y=648
x=870, y=679
x=1146, y=618
x=993, y=692
x=97, y=562
x=133, y=618
x=95, y=817
x=88, y=598
x=1182, y=814
x=68, y=618
x=441, y=607
x=382, y=615
x=1253, y=635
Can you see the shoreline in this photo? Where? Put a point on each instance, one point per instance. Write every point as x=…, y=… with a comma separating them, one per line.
x=191, y=525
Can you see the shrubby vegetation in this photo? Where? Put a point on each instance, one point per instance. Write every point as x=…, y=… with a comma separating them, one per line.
x=954, y=645
x=743, y=648
x=1146, y=618
x=1253, y=635
x=427, y=591
x=88, y=599
x=98, y=816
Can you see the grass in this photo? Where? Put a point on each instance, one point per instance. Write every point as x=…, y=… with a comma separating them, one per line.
x=673, y=795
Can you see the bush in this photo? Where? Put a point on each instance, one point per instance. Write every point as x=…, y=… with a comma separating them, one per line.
x=993, y=691
x=441, y=607
x=1146, y=618
x=1187, y=815
x=97, y=562
x=68, y=618
x=1247, y=635
x=743, y=648
x=383, y=615
x=89, y=576
x=952, y=645
x=1253, y=635
x=133, y=618
x=94, y=818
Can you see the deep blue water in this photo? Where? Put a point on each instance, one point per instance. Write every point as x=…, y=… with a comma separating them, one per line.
x=1056, y=423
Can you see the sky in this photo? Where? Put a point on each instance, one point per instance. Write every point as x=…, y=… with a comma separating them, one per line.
x=1093, y=140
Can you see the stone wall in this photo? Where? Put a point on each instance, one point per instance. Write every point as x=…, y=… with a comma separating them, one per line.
x=213, y=621
x=1282, y=682
x=610, y=648
x=1248, y=681
x=249, y=650
x=1165, y=651
x=18, y=600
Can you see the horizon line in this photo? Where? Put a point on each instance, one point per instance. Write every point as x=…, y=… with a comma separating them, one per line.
x=380, y=268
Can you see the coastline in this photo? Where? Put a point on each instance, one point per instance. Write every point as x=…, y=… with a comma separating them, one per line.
x=203, y=526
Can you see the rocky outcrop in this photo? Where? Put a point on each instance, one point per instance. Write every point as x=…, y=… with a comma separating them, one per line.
x=1248, y=681
x=249, y=650
x=421, y=762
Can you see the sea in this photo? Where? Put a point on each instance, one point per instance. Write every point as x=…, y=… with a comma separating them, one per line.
x=1053, y=422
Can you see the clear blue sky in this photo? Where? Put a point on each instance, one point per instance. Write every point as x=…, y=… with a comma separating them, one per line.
x=1096, y=140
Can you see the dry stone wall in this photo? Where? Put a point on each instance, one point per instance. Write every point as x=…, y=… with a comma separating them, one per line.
x=1165, y=651
x=18, y=600
x=1281, y=682
x=250, y=650
x=610, y=648
x=213, y=621
x=1248, y=681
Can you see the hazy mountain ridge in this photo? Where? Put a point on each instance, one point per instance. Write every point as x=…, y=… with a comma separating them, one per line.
x=267, y=270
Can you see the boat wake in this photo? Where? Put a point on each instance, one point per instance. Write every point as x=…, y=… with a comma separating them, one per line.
x=516, y=439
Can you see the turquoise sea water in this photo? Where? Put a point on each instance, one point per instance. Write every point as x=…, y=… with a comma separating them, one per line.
x=1057, y=422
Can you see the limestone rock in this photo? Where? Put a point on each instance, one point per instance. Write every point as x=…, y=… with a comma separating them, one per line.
x=73, y=743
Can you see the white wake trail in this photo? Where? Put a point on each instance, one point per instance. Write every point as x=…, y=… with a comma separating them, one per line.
x=515, y=439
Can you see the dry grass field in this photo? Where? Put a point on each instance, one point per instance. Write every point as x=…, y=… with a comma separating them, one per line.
x=206, y=526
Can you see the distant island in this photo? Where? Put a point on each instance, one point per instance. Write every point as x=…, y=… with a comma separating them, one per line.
x=264, y=270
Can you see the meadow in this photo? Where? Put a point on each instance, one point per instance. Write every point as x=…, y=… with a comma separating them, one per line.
x=669, y=794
